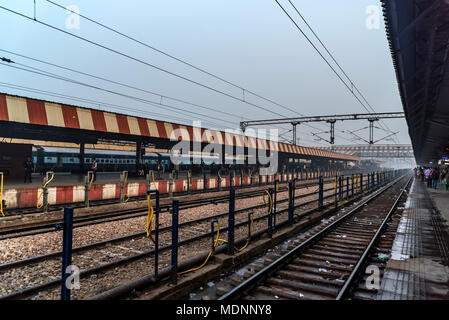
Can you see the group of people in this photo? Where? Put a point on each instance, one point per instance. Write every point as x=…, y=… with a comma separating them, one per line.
x=433, y=175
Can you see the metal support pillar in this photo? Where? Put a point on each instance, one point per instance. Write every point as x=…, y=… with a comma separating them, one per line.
x=270, y=215
x=291, y=193
x=156, y=231
x=174, y=242
x=82, y=157
x=123, y=177
x=320, y=193
x=340, y=188
x=231, y=221
x=347, y=187
x=67, y=237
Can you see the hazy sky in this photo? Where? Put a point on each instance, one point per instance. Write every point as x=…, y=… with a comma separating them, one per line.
x=249, y=42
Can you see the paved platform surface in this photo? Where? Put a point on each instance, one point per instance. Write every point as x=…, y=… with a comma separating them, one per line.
x=418, y=268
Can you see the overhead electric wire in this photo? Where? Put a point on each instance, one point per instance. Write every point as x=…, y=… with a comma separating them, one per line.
x=142, y=62
x=181, y=61
x=96, y=102
x=244, y=90
x=162, y=96
x=336, y=62
x=322, y=56
x=151, y=65
x=58, y=77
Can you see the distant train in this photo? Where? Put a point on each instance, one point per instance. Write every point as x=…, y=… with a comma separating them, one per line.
x=67, y=160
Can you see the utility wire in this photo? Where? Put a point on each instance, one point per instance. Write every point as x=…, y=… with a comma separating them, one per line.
x=336, y=62
x=143, y=62
x=151, y=65
x=54, y=76
x=179, y=60
x=244, y=90
x=322, y=56
x=162, y=96
x=95, y=102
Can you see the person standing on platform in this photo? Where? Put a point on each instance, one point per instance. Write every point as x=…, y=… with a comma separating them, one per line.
x=435, y=175
x=94, y=168
x=445, y=178
x=28, y=166
x=427, y=173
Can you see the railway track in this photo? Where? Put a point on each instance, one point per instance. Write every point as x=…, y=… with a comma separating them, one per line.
x=112, y=253
x=38, y=227
x=97, y=203
x=331, y=263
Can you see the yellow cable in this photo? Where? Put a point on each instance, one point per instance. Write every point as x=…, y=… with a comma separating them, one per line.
x=42, y=192
x=189, y=182
x=209, y=255
x=249, y=239
x=270, y=204
x=124, y=185
x=92, y=180
x=150, y=218
x=1, y=196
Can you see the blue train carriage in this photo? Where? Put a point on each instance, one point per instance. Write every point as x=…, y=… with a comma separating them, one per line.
x=59, y=159
x=67, y=159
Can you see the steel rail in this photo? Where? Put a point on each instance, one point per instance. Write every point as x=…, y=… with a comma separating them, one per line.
x=55, y=226
x=13, y=264
x=28, y=291
x=252, y=282
x=368, y=249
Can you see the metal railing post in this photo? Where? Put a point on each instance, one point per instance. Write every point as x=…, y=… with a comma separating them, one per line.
x=67, y=237
x=212, y=233
x=174, y=242
x=45, y=191
x=361, y=183
x=291, y=204
x=171, y=184
x=340, y=188
x=189, y=181
x=270, y=215
x=87, y=189
x=204, y=181
x=231, y=221
x=347, y=187
x=122, y=186
x=156, y=231
x=320, y=193
x=275, y=193
x=352, y=185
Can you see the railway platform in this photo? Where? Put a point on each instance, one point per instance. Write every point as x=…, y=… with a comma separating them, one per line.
x=68, y=189
x=65, y=179
x=419, y=265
